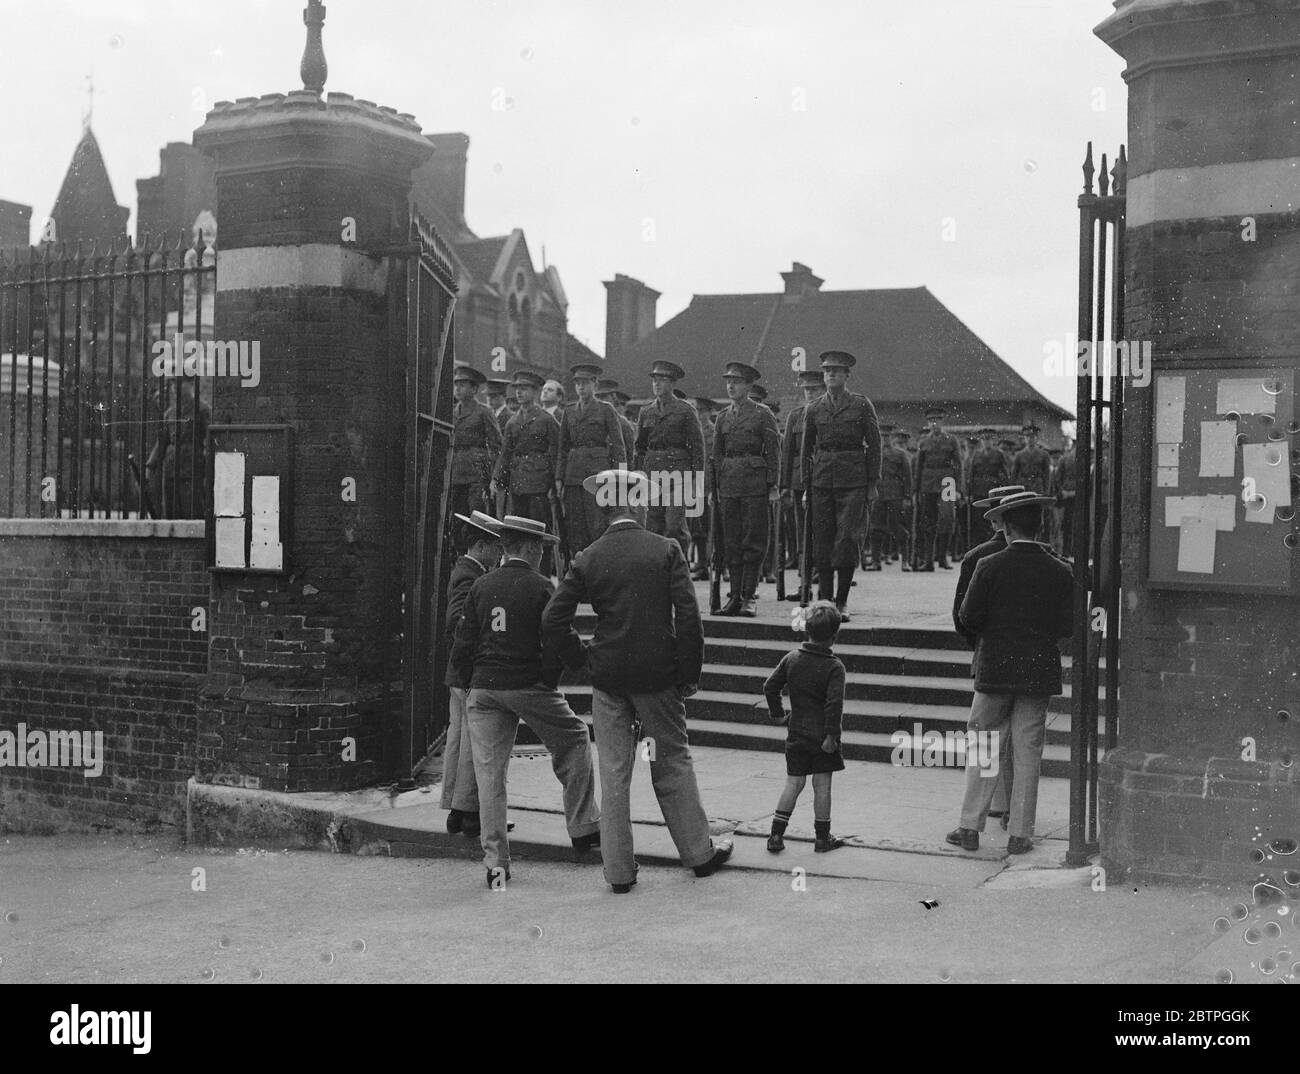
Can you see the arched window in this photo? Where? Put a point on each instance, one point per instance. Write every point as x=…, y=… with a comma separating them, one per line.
x=526, y=329
x=513, y=327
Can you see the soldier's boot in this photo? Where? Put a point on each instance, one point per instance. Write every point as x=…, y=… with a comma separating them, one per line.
x=941, y=551
x=927, y=560
x=734, y=574
x=749, y=602
x=842, y=592
x=825, y=584
x=878, y=557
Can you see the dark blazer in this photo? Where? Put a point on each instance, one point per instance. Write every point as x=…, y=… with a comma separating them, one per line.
x=648, y=631
x=1020, y=602
x=464, y=574
x=997, y=543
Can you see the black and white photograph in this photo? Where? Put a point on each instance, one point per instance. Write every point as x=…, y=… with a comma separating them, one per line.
x=573, y=492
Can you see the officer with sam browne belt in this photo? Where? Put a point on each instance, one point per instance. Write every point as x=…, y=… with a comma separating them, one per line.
x=591, y=440
x=812, y=382
x=474, y=449
x=670, y=452
x=529, y=458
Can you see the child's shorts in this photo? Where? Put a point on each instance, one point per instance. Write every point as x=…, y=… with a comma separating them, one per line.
x=808, y=758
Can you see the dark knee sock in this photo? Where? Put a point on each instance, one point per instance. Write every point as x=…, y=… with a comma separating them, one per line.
x=822, y=828
x=779, y=822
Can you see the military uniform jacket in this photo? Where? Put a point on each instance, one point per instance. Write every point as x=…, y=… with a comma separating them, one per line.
x=843, y=442
x=791, y=468
x=988, y=470
x=591, y=440
x=895, y=474
x=529, y=457
x=706, y=432
x=1033, y=469
x=668, y=437
x=938, y=456
x=746, y=450
x=629, y=437
x=1064, y=480
x=476, y=444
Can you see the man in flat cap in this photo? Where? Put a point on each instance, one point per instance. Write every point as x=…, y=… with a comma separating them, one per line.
x=474, y=448
x=893, y=495
x=459, y=786
x=698, y=524
x=988, y=470
x=591, y=440
x=529, y=459
x=670, y=452
x=841, y=446
x=747, y=467
x=645, y=660
x=1019, y=604
x=1033, y=467
x=498, y=655
x=940, y=479
x=812, y=382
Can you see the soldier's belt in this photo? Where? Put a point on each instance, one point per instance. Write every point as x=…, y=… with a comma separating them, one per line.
x=742, y=454
x=855, y=449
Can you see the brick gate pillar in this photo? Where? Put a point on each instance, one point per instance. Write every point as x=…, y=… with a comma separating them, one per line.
x=1214, y=137
x=301, y=661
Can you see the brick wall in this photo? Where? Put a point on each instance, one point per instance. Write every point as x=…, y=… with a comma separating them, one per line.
x=95, y=635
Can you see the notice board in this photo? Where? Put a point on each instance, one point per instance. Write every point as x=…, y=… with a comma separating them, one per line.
x=250, y=470
x=1225, y=457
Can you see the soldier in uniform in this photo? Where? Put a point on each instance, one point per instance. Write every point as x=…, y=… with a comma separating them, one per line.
x=905, y=552
x=894, y=493
x=529, y=459
x=607, y=392
x=591, y=441
x=1033, y=466
x=699, y=524
x=758, y=394
x=474, y=449
x=747, y=466
x=1066, y=484
x=841, y=445
x=497, y=391
x=812, y=382
x=988, y=470
x=938, y=460
x=1008, y=447
x=670, y=452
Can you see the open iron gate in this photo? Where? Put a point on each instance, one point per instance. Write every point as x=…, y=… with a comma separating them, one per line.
x=423, y=282
x=1098, y=452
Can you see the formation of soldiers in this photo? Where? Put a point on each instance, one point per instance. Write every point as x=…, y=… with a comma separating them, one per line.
x=867, y=496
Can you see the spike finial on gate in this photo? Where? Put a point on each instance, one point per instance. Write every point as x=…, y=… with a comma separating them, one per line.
x=1121, y=173
x=313, y=69
x=1103, y=178
x=1088, y=170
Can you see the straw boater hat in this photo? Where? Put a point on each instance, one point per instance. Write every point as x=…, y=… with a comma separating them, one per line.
x=619, y=485
x=486, y=525
x=997, y=494
x=528, y=527
x=1018, y=499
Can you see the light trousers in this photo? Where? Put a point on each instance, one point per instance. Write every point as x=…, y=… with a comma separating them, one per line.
x=459, y=789
x=1020, y=721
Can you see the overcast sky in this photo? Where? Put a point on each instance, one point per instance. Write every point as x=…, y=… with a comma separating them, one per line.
x=699, y=146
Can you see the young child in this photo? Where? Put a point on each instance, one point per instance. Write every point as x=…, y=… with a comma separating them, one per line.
x=815, y=678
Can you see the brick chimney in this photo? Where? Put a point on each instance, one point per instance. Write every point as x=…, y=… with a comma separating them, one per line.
x=629, y=313
x=15, y=225
x=800, y=281
x=442, y=178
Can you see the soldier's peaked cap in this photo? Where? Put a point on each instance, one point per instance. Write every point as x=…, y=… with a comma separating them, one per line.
x=605, y=385
x=758, y=392
x=995, y=495
x=468, y=372
x=486, y=525
x=667, y=369
x=741, y=371
x=811, y=378
x=837, y=360
x=585, y=371
x=936, y=411
x=497, y=387
x=528, y=527
x=1031, y=428
x=528, y=379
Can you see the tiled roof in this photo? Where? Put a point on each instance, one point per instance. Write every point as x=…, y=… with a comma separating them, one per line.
x=909, y=346
x=86, y=207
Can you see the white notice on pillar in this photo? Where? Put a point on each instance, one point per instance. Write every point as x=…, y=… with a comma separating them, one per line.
x=230, y=542
x=228, y=484
x=266, y=552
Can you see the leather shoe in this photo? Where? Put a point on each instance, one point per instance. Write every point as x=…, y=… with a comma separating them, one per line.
x=732, y=606
x=749, y=610
x=470, y=826
x=966, y=838
x=1018, y=844
x=721, y=852
x=833, y=842
x=844, y=612
x=583, y=844
x=700, y=574
x=775, y=843
x=623, y=889
x=455, y=821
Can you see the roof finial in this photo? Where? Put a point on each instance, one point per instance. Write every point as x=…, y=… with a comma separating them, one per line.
x=90, y=103
x=313, y=69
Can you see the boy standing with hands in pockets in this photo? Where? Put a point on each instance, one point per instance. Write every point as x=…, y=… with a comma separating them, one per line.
x=815, y=678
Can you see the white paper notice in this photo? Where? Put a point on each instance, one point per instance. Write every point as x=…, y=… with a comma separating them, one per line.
x=266, y=498
x=1266, y=466
x=1221, y=510
x=230, y=542
x=1245, y=397
x=265, y=552
x=228, y=484
x=1218, y=448
x=1171, y=402
x=1196, y=538
x=266, y=557
x=1167, y=454
x=1167, y=477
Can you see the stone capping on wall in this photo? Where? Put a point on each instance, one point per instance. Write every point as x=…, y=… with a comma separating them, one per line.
x=102, y=527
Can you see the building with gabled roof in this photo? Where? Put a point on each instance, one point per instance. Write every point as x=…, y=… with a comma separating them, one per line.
x=912, y=350
x=86, y=209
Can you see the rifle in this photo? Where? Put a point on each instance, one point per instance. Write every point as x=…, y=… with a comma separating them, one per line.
x=717, y=552
x=146, y=503
x=557, y=521
x=805, y=562
x=501, y=503
x=778, y=549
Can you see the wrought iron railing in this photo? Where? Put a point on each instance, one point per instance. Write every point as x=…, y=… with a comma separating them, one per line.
x=96, y=421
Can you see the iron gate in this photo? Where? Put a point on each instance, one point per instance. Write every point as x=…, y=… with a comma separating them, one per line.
x=424, y=288
x=1098, y=452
